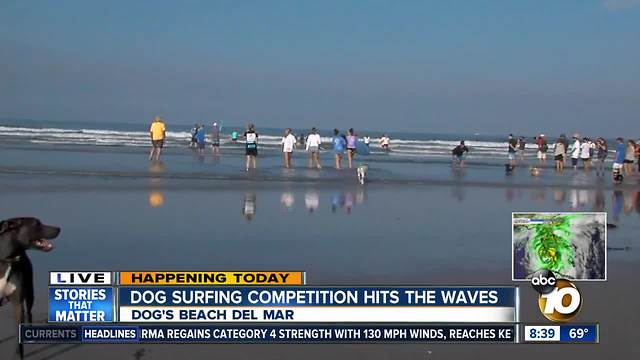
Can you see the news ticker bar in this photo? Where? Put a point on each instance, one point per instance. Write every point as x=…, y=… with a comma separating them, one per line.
x=265, y=334
x=310, y=334
x=169, y=278
x=321, y=304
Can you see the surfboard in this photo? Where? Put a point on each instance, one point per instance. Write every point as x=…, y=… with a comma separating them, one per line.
x=361, y=148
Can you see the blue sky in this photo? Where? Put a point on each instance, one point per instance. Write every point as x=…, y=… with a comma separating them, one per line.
x=428, y=66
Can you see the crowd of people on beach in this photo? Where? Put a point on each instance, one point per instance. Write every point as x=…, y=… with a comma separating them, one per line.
x=340, y=143
x=583, y=151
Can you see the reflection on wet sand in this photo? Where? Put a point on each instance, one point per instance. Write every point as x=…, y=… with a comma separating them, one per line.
x=156, y=197
x=249, y=207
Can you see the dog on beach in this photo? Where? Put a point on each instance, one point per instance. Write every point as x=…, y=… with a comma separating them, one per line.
x=18, y=235
x=362, y=173
x=534, y=171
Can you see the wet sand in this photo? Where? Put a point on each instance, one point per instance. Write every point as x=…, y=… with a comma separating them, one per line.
x=390, y=232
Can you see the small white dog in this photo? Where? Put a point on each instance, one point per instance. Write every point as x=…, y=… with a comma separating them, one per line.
x=362, y=173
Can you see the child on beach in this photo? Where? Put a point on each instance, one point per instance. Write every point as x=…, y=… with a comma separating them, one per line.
x=351, y=146
x=313, y=148
x=338, y=142
x=288, y=143
x=541, y=142
x=215, y=138
x=251, y=146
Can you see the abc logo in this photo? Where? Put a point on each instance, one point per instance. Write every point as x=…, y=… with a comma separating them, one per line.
x=559, y=299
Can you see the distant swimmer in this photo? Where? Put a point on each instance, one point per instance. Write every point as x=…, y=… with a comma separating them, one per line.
x=251, y=146
x=158, y=132
x=459, y=153
x=338, y=143
x=385, y=143
x=352, y=140
x=313, y=148
x=215, y=138
x=288, y=144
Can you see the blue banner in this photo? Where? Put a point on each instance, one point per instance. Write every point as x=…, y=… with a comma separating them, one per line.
x=317, y=296
x=579, y=333
x=81, y=304
x=266, y=334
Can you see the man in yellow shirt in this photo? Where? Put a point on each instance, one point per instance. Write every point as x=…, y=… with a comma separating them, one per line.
x=158, y=133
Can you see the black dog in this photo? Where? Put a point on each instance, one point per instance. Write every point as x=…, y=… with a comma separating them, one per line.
x=18, y=235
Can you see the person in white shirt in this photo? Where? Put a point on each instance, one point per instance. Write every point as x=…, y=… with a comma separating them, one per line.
x=585, y=154
x=367, y=140
x=288, y=143
x=313, y=148
x=384, y=142
x=575, y=151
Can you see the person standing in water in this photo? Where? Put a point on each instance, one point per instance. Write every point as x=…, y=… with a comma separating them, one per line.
x=288, y=143
x=512, y=150
x=575, y=151
x=251, y=146
x=313, y=148
x=585, y=154
x=366, y=140
x=200, y=137
x=158, y=132
x=558, y=155
x=541, y=142
x=215, y=138
x=602, y=150
x=385, y=142
x=194, y=141
x=234, y=136
x=338, y=144
x=618, y=161
x=630, y=154
x=351, y=146
x=459, y=153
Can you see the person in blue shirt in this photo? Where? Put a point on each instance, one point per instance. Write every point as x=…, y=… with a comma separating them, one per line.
x=339, y=143
x=200, y=137
x=618, y=161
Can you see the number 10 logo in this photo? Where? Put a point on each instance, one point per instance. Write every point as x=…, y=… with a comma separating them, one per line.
x=563, y=303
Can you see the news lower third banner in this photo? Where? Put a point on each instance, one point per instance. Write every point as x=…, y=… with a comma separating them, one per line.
x=267, y=307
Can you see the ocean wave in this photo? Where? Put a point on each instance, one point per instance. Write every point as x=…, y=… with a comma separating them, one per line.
x=112, y=137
